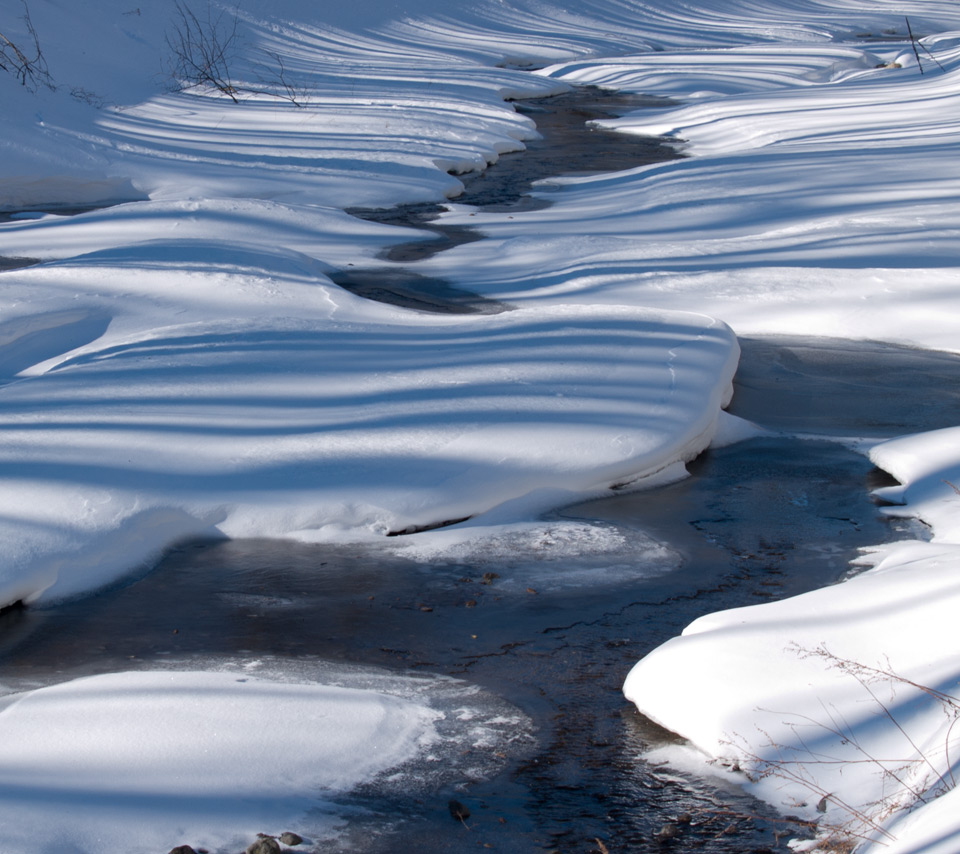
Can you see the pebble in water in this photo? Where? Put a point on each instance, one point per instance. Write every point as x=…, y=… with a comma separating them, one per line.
x=459, y=812
x=264, y=845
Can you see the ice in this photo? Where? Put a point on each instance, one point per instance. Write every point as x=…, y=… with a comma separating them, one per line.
x=549, y=557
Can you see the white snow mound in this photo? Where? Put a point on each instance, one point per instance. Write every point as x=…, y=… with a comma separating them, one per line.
x=145, y=761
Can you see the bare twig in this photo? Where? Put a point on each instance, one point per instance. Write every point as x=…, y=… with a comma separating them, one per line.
x=913, y=44
x=203, y=48
x=277, y=82
x=795, y=763
x=26, y=63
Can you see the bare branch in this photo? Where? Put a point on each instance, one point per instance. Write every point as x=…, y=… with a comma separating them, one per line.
x=25, y=60
x=278, y=83
x=203, y=48
x=797, y=762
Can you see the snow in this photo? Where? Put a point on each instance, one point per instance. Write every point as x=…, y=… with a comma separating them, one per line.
x=138, y=761
x=827, y=206
x=181, y=364
x=321, y=425
x=840, y=683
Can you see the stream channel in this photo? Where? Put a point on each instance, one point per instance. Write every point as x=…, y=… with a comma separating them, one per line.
x=526, y=646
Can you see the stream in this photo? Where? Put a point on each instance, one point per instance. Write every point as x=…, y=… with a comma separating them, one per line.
x=525, y=645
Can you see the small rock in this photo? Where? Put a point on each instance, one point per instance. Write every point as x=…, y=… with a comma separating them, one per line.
x=182, y=849
x=458, y=811
x=684, y=818
x=264, y=845
x=489, y=577
x=668, y=831
x=288, y=838
x=470, y=603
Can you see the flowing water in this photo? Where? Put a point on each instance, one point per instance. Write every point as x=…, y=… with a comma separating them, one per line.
x=567, y=146
x=525, y=645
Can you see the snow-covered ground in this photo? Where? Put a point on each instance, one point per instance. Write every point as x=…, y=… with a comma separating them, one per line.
x=181, y=364
x=107, y=751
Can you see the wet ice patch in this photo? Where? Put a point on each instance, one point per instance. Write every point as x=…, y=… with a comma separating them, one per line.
x=253, y=600
x=471, y=734
x=555, y=554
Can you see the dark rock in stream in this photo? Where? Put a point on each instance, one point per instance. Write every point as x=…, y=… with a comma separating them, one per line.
x=667, y=832
x=458, y=811
x=264, y=845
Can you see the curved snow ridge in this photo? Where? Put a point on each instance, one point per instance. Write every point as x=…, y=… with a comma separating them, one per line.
x=319, y=428
x=322, y=233
x=711, y=73
x=856, y=106
x=928, y=467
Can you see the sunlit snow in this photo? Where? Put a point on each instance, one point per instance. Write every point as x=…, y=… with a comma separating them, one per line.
x=179, y=363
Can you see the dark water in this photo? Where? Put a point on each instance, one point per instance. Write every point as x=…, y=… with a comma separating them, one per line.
x=567, y=146
x=59, y=210
x=9, y=262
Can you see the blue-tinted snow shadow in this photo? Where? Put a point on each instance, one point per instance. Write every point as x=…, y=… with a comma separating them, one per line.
x=764, y=208
x=27, y=341
x=430, y=378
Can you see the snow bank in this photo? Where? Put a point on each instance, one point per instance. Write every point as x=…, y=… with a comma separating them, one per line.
x=822, y=198
x=840, y=701
x=327, y=235
x=175, y=388
x=928, y=467
x=369, y=104
x=146, y=761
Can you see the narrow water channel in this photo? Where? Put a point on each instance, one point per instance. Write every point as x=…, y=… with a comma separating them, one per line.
x=567, y=146
x=539, y=631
